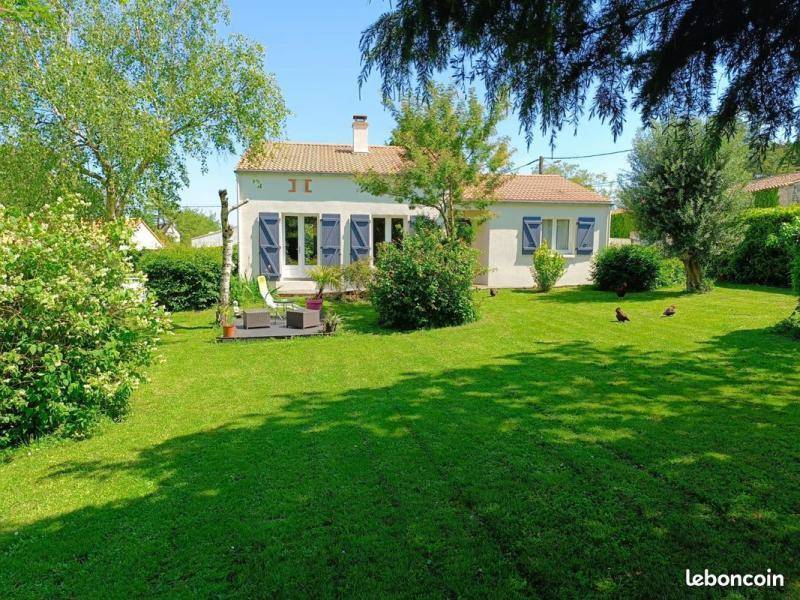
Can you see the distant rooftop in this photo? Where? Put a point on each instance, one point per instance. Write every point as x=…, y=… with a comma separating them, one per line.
x=775, y=181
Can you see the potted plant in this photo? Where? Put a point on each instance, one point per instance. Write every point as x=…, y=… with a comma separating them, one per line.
x=325, y=276
x=330, y=323
x=227, y=321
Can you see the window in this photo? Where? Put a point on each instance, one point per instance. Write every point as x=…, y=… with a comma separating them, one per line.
x=556, y=233
x=310, y=242
x=562, y=235
x=397, y=231
x=292, y=240
x=378, y=234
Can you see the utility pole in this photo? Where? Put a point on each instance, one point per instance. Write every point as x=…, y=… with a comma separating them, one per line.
x=541, y=165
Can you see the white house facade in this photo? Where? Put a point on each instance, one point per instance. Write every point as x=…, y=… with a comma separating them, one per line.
x=302, y=208
x=143, y=237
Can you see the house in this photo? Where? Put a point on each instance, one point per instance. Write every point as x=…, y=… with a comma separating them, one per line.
x=213, y=239
x=787, y=186
x=144, y=238
x=304, y=208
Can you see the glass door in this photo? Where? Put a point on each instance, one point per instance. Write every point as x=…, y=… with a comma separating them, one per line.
x=301, y=244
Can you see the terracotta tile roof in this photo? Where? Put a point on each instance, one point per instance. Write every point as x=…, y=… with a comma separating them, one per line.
x=292, y=157
x=776, y=181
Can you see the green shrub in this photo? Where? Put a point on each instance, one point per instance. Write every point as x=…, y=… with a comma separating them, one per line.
x=76, y=333
x=766, y=198
x=638, y=266
x=671, y=272
x=245, y=291
x=327, y=277
x=357, y=275
x=426, y=281
x=791, y=325
x=755, y=259
x=548, y=267
x=183, y=278
x=622, y=224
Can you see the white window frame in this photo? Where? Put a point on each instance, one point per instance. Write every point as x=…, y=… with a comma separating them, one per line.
x=387, y=233
x=298, y=271
x=571, y=231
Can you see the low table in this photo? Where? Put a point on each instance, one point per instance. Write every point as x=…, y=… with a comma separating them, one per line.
x=302, y=318
x=256, y=318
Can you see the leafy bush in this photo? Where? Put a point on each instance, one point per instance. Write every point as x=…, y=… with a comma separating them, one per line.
x=548, y=267
x=245, y=291
x=789, y=239
x=638, y=266
x=791, y=325
x=766, y=198
x=183, y=278
x=357, y=275
x=426, y=281
x=671, y=272
x=76, y=332
x=755, y=259
x=622, y=224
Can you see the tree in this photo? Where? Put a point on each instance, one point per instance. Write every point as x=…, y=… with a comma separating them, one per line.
x=121, y=93
x=686, y=192
x=191, y=223
x=672, y=56
x=598, y=182
x=227, y=260
x=453, y=161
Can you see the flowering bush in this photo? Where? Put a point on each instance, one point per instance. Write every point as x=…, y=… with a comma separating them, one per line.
x=548, y=267
x=76, y=330
x=426, y=281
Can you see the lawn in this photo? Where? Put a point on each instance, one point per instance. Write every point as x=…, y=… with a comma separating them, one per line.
x=544, y=450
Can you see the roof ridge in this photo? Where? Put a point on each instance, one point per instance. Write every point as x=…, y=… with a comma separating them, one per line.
x=296, y=143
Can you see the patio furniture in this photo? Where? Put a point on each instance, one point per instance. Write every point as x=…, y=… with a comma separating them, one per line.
x=255, y=318
x=274, y=305
x=302, y=318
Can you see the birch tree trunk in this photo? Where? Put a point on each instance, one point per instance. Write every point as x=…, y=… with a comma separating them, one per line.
x=227, y=258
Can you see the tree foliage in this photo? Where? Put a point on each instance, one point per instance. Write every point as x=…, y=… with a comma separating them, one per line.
x=556, y=57
x=453, y=160
x=192, y=223
x=76, y=332
x=116, y=95
x=686, y=192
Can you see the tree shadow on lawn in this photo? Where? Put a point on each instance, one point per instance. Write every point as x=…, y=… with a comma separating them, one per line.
x=566, y=471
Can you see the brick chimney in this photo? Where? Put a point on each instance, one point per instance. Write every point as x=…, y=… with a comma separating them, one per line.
x=360, y=127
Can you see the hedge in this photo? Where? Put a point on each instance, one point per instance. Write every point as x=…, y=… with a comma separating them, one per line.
x=754, y=259
x=183, y=278
x=622, y=224
x=642, y=268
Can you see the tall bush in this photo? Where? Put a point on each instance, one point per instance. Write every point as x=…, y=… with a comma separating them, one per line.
x=426, y=281
x=622, y=224
x=642, y=268
x=183, y=278
x=755, y=259
x=548, y=267
x=76, y=332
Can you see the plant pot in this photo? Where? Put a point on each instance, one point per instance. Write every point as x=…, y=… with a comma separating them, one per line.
x=314, y=304
x=228, y=331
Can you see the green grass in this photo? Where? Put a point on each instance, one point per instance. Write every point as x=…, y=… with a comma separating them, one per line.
x=544, y=450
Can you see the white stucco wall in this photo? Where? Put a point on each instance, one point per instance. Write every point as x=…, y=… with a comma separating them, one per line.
x=510, y=268
x=499, y=241
x=789, y=195
x=330, y=194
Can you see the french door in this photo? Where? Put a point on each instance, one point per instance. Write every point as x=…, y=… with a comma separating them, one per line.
x=300, y=244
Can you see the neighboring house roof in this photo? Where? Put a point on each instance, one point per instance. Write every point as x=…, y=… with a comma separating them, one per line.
x=294, y=157
x=141, y=225
x=776, y=181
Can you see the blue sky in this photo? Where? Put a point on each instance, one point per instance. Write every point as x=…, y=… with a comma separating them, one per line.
x=312, y=48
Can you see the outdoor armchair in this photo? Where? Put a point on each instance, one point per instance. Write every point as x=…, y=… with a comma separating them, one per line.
x=274, y=305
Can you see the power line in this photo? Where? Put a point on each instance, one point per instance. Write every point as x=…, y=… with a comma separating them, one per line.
x=541, y=159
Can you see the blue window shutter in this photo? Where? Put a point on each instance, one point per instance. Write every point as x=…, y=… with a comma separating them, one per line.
x=331, y=237
x=531, y=234
x=412, y=223
x=359, y=237
x=585, y=239
x=268, y=247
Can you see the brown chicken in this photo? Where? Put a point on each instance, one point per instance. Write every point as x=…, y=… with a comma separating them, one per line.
x=621, y=316
x=493, y=292
x=669, y=311
x=622, y=290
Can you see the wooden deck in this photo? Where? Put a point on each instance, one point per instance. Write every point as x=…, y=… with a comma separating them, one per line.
x=276, y=331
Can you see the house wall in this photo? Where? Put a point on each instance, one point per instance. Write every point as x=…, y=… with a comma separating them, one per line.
x=330, y=194
x=789, y=195
x=511, y=268
x=499, y=240
x=143, y=239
